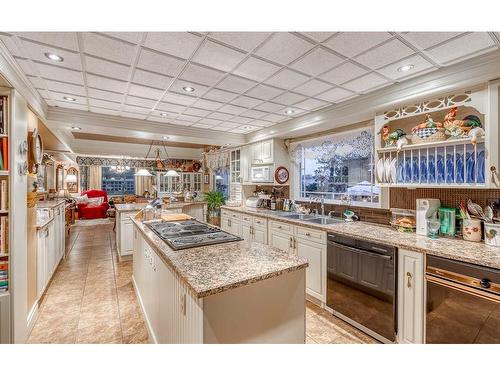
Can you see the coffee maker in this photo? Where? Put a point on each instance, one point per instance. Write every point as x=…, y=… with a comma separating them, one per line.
x=426, y=209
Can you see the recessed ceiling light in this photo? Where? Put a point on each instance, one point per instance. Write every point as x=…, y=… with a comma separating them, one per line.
x=53, y=57
x=247, y=127
x=165, y=137
x=188, y=88
x=69, y=99
x=163, y=114
x=289, y=111
x=76, y=128
x=405, y=68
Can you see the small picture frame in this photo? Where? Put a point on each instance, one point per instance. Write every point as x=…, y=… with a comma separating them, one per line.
x=206, y=178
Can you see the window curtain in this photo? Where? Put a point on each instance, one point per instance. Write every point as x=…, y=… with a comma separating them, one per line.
x=217, y=159
x=95, y=177
x=143, y=183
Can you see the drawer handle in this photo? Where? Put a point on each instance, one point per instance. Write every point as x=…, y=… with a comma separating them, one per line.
x=280, y=227
x=308, y=234
x=408, y=277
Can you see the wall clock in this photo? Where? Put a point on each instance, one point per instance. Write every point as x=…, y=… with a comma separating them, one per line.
x=35, y=151
x=281, y=175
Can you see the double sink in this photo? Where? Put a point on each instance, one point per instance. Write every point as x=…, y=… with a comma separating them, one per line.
x=317, y=219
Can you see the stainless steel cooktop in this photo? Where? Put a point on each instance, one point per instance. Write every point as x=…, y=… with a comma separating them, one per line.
x=185, y=234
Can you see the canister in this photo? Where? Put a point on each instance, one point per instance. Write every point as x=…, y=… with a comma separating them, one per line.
x=447, y=218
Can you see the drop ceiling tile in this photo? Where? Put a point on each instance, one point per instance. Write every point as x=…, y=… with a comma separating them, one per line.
x=289, y=98
x=11, y=45
x=59, y=74
x=335, y=95
x=104, y=111
x=318, y=36
x=202, y=75
x=235, y=84
x=207, y=104
x=270, y=107
x=188, y=118
x=466, y=46
x=145, y=92
x=387, y=53
x=220, y=95
x=419, y=65
x=181, y=44
x=274, y=118
x=159, y=63
x=252, y=113
x=64, y=104
x=156, y=116
x=287, y=79
x=145, y=78
x=131, y=37
x=202, y=126
x=105, y=104
x=40, y=83
x=44, y=93
x=264, y=92
x=232, y=109
x=220, y=116
x=135, y=109
x=229, y=125
x=196, y=112
x=343, y=73
x=261, y=123
x=424, y=40
x=65, y=87
x=242, y=120
x=245, y=101
x=107, y=68
x=248, y=128
x=246, y=41
x=170, y=107
x=58, y=39
x=311, y=104
x=294, y=111
x=284, y=48
x=107, y=48
x=106, y=83
x=37, y=52
x=365, y=83
x=106, y=95
x=353, y=43
x=317, y=61
x=175, y=98
x=256, y=69
x=217, y=56
x=312, y=87
x=239, y=131
x=178, y=87
x=210, y=122
x=140, y=102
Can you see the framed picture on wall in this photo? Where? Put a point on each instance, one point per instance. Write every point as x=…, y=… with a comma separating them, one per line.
x=72, y=180
x=206, y=178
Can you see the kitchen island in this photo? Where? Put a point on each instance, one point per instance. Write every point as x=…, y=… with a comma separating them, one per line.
x=237, y=292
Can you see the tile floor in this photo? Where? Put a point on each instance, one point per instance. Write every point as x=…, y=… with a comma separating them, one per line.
x=91, y=300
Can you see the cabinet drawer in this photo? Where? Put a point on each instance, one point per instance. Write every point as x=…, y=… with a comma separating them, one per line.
x=235, y=215
x=127, y=215
x=246, y=218
x=259, y=222
x=281, y=227
x=225, y=213
x=311, y=234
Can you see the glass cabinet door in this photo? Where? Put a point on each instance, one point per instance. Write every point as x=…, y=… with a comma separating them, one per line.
x=187, y=182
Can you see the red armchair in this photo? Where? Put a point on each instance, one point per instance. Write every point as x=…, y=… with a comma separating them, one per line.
x=93, y=212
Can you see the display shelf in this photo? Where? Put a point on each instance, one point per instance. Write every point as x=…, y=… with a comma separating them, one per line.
x=417, y=146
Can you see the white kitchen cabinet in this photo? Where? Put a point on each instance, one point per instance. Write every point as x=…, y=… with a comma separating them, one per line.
x=411, y=309
x=231, y=222
x=197, y=211
x=271, y=152
x=124, y=232
x=246, y=231
x=281, y=241
x=41, y=262
x=259, y=234
x=262, y=152
x=315, y=253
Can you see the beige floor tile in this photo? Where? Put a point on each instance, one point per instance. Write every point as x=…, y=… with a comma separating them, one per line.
x=99, y=333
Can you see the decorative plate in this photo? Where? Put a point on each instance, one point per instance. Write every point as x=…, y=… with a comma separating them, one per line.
x=281, y=175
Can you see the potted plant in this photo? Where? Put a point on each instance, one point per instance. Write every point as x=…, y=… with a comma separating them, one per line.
x=214, y=200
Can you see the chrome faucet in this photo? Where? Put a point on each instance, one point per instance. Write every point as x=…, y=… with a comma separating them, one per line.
x=331, y=213
x=315, y=211
x=322, y=201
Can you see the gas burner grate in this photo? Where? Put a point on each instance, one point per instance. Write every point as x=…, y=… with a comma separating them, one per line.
x=189, y=222
x=215, y=236
x=187, y=240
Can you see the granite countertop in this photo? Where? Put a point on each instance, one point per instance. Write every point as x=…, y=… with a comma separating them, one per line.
x=42, y=223
x=471, y=252
x=212, y=269
x=50, y=203
x=128, y=207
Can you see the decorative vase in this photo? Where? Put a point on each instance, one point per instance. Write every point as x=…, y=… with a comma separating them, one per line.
x=472, y=230
x=492, y=234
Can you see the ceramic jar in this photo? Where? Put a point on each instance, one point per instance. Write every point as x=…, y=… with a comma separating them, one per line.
x=471, y=230
x=492, y=234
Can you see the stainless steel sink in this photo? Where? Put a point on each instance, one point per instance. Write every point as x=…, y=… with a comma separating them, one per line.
x=324, y=220
x=303, y=217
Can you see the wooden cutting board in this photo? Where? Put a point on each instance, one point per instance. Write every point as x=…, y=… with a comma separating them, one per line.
x=175, y=217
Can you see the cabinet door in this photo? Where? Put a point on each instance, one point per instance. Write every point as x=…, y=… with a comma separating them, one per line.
x=224, y=224
x=246, y=231
x=315, y=253
x=137, y=259
x=41, y=263
x=260, y=235
x=267, y=151
x=410, y=297
x=280, y=241
x=257, y=152
x=127, y=237
x=235, y=227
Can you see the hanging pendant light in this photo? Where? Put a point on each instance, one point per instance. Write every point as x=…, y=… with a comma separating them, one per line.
x=143, y=172
x=160, y=164
x=170, y=172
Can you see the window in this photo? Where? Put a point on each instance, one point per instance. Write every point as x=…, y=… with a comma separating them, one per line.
x=221, y=181
x=118, y=183
x=338, y=168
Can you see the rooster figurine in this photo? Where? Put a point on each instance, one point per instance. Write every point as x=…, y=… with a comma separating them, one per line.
x=459, y=128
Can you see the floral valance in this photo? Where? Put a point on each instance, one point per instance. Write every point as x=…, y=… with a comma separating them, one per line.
x=355, y=144
x=217, y=159
x=133, y=163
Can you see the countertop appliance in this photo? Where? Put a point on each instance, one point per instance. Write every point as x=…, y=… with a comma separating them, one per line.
x=261, y=173
x=253, y=202
x=361, y=285
x=426, y=209
x=185, y=234
x=463, y=303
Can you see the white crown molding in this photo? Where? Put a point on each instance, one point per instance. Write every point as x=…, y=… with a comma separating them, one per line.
x=11, y=71
x=441, y=82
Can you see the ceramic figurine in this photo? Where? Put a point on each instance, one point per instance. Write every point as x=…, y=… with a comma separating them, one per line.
x=429, y=123
x=460, y=128
x=385, y=135
x=403, y=141
x=475, y=134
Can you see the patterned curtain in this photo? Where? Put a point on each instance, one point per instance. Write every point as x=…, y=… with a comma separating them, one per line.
x=95, y=178
x=143, y=183
x=217, y=159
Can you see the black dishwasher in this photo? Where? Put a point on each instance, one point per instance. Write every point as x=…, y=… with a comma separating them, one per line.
x=361, y=285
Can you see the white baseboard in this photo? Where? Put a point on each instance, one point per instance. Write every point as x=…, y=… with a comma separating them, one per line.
x=152, y=337
x=33, y=314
